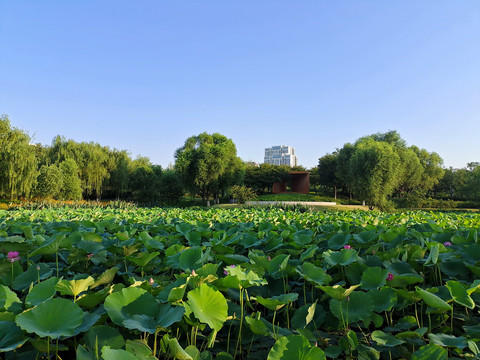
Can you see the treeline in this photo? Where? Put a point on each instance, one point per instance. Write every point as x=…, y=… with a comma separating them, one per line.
x=378, y=169
x=381, y=168
x=69, y=170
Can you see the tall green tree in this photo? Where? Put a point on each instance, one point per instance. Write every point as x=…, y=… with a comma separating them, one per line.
x=49, y=182
x=71, y=183
x=375, y=172
x=203, y=160
x=18, y=165
x=327, y=172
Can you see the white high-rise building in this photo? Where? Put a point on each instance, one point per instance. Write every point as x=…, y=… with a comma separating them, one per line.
x=280, y=155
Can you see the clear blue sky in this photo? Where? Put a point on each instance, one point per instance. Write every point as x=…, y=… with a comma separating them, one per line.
x=145, y=75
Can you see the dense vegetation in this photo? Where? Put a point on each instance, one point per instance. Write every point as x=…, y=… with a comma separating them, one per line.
x=376, y=169
x=241, y=283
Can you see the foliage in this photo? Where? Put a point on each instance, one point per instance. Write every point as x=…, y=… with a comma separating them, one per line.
x=250, y=283
x=17, y=161
x=242, y=193
x=204, y=163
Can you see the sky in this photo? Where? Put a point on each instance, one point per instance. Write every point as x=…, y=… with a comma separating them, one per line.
x=145, y=75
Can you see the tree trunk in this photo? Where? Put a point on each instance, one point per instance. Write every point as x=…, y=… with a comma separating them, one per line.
x=335, y=187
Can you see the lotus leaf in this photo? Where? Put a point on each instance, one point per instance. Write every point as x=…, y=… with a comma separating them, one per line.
x=116, y=303
x=343, y=257
x=41, y=292
x=432, y=300
x=116, y=354
x=101, y=335
x=373, y=278
x=295, y=347
x=277, y=302
x=314, y=274
x=53, y=318
x=11, y=336
x=209, y=306
x=358, y=306
x=429, y=352
x=459, y=342
x=459, y=294
x=74, y=287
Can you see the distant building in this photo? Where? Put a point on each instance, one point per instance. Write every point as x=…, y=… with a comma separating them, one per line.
x=280, y=155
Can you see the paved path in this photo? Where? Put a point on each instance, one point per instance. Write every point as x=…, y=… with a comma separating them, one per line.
x=308, y=203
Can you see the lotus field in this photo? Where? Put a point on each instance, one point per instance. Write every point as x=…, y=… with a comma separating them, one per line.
x=238, y=284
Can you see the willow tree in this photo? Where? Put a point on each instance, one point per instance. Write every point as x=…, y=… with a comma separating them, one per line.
x=375, y=170
x=18, y=165
x=203, y=160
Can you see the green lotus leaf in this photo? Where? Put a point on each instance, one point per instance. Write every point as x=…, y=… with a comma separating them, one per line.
x=367, y=353
x=116, y=302
x=105, y=278
x=337, y=241
x=240, y=278
x=91, y=236
x=278, y=264
x=277, y=302
x=116, y=354
x=25, y=279
x=432, y=300
x=343, y=257
x=140, y=349
x=190, y=258
x=9, y=301
x=338, y=292
x=256, y=326
x=295, y=347
x=209, y=306
x=74, y=287
x=41, y=292
x=373, y=278
x=11, y=336
x=384, y=298
x=89, y=319
x=194, y=238
x=304, y=316
x=49, y=247
x=358, y=306
x=385, y=339
x=429, y=352
x=99, y=336
x=459, y=342
x=314, y=274
x=167, y=315
x=459, y=294
x=143, y=258
x=54, y=318
x=173, y=348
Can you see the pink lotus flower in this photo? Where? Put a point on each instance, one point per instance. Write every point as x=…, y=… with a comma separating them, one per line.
x=89, y=256
x=13, y=256
x=347, y=247
x=194, y=273
x=447, y=243
x=390, y=277
x=151, y=282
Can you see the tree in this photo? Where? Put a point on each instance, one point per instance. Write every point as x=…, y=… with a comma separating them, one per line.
x=49, y=182
x=18, y=165
x=171, y=188
x=432, y=168
x=145, y=183
x=327, y=172
x=71, y=183
x=375, y=171
x=202, y=161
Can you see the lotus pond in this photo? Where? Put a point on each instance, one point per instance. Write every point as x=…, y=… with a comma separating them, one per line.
x=238, y=284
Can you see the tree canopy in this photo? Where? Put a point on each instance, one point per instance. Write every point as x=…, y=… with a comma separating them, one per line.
x=204, y=163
